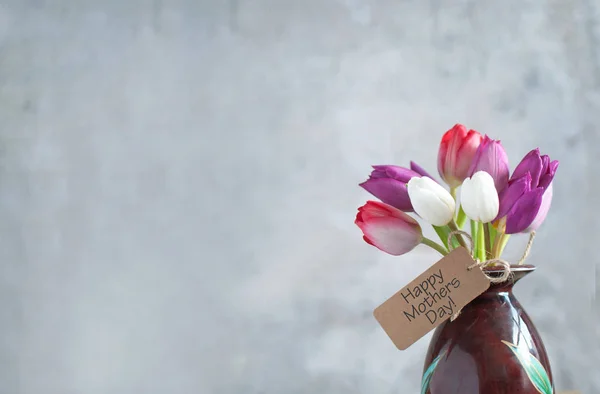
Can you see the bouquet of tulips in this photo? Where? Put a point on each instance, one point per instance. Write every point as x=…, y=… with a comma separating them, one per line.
x=476, y=169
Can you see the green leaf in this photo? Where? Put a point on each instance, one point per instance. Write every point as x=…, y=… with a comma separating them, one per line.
x=474, y=237
x=429, y=373
x=534, y=369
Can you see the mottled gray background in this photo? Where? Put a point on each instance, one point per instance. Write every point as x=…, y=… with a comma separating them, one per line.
x=178, y=184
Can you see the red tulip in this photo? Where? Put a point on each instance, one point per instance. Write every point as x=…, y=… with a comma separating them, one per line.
x=457, y=150
x=387, y=228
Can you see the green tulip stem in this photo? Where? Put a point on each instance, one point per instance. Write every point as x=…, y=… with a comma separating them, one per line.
x=434, y=245
x=480, y=241
x=487, y=239
x=459, y=237
x=474, y=237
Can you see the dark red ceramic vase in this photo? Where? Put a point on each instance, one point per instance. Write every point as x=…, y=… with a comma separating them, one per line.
x=492, y=347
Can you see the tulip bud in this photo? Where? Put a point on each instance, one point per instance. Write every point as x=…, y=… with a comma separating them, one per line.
x=491, y=158
x=388, y=183
x=388, y=228
x=479, y=197
x=457, y=149
x=431, y=201
x=525, y=202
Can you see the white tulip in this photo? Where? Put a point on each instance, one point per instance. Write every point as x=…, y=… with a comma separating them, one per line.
x=479, y=197
x=431, y=201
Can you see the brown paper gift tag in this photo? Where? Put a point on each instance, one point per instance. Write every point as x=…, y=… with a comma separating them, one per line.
x=432, y=298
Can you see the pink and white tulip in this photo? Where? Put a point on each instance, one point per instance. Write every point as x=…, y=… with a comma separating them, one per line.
x=387, y=228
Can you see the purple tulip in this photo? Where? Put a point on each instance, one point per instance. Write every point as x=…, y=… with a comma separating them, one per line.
x=388, y=183
x=491, y=158
x=525, y=202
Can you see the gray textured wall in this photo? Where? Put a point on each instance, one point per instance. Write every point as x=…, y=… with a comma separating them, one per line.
x=178, y=184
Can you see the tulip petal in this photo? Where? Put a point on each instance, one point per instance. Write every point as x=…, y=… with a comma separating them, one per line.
x=491, y=158
x=553, y=167
x=373, y=209
x=450, y=144
x=394, y=172
x=388, y=228
x=511, y=194
x=457, y=149
x=419, y=170
x=390, y=235
x=479, y=197
x=545, y=163
x=531, y=163
x=524, y=211
x=468, y=199
x=543, y=212
x=431, y=209
x=547, y=178
x=390, y=191
x=478, y=153
x=431, y=201
x=466, y=153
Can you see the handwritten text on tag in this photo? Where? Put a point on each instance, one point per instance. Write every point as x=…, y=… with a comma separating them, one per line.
x=432, y=298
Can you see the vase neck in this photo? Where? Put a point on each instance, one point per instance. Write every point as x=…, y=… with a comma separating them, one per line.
x=518, y=272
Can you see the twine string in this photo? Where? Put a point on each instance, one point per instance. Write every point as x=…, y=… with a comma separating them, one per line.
x=506, y=272
x=527, y=248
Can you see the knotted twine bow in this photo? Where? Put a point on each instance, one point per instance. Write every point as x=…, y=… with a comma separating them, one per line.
x=506, y=273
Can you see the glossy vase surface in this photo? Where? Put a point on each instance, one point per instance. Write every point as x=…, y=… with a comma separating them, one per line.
x=492, y=347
